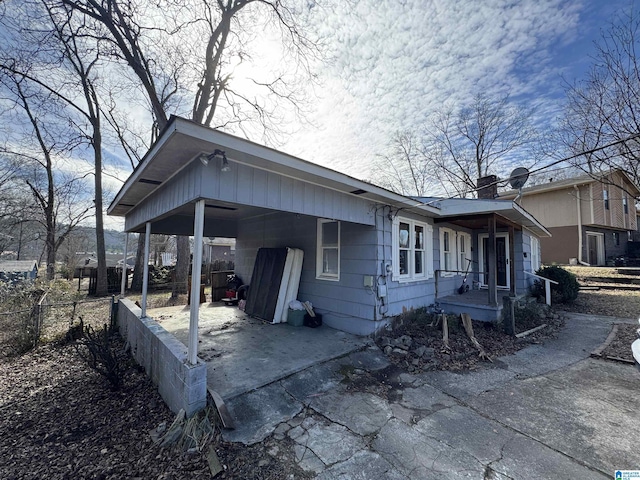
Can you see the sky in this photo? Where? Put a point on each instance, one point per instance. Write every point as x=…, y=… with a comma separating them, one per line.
x=397, y=62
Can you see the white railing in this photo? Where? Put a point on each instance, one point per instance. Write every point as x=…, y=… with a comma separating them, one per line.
x=547, y=286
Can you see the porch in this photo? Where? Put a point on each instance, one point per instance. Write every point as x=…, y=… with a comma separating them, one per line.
x=475, y=303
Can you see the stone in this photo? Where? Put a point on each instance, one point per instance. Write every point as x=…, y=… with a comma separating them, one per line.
x=399, y=351
x=388, y=349
x=364, y=465
x=384, y=341
x=419, y=352
x=295, y=432
x=362, y=413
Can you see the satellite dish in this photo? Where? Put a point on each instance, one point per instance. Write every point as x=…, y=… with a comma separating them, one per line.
x=518, y=178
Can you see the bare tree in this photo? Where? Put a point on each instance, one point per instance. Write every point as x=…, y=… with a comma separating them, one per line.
x=604, y=108
x=62, y=64
x=196, y=44
x=58, y=195
x=406, y=168
x=458, y=146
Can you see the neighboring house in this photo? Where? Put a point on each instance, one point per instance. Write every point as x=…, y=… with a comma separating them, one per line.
x=368, y=253
x=15, y=271
x=219, y=249
x=87, y=262
x=591, y=219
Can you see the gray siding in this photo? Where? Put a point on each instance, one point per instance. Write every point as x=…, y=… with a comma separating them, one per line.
x=185, y=187
x=345, y=304
x=246, y=185
x=251, y=186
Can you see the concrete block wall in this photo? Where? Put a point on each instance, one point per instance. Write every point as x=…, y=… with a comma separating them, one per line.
x=164, y=358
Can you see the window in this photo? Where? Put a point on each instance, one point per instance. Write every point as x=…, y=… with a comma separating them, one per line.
x=328, y=254
x=412, y=250
x=616, y=239
x=605, y=196
x=464, y=250
x=625, y=205
x=535, y=254
x=447, y=252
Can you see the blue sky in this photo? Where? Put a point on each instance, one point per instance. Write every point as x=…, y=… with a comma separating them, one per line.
x=397, y=62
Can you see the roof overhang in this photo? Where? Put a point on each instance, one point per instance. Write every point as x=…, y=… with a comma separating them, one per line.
x=460, y=208
x=183, y=141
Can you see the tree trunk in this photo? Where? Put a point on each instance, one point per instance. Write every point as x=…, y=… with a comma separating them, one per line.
x=51, y=254
x=138, y=271
x=101, y=285
x=183, y=261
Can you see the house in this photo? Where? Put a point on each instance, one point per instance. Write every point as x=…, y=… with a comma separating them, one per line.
x=591, y=218
x=369, y=253
x=15, y=271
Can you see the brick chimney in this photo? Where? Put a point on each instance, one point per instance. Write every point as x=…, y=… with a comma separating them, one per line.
x=488, y=187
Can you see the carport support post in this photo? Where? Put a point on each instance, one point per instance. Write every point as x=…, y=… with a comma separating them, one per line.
x=123, y=283
x=196, y=271
x=145, y=275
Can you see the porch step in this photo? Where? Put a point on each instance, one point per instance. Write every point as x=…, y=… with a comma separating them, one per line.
x=620, y=280
x=628, y=271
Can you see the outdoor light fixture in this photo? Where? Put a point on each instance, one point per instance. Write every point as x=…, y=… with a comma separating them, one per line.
x=205, y=159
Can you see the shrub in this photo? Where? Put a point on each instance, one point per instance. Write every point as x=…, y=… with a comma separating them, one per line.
x=566, y=291
x=99, y=350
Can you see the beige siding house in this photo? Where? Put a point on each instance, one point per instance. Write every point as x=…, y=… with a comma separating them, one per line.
x=591, y=219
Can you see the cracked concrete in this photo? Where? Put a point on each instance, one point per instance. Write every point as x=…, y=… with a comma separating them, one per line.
x=546, y=412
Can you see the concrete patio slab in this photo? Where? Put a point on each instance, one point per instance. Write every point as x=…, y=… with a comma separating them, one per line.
x=244, y=353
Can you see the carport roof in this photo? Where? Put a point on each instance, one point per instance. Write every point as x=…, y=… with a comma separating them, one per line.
x=183, y=141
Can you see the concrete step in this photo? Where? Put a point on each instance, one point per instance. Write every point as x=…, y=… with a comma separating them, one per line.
x=620, y=280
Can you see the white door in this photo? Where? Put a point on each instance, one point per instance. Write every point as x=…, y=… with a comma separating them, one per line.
x=503, y=267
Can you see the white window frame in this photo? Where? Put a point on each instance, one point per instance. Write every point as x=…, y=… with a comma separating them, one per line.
x=535, y=254
x=467, y=254
x=453, y=252
x=320, y=275
x=411, y=276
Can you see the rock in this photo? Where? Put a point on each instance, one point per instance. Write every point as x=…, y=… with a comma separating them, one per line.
x=415, y=363
x=404, y=342
x=384, y=341
x=388, y=349
x=358, y=371
x=400, y=351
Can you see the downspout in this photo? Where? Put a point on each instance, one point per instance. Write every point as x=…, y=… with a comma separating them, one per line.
x=579, y=208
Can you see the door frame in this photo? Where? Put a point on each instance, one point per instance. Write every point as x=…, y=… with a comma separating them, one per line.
x=481, y=255
x=599, y=236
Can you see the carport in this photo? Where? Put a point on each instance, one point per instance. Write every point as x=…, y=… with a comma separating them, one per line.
x=201, y=182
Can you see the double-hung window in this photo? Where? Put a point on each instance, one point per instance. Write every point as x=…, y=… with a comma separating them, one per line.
x=605, y=197
x=464, y=251
x=328, y=254
x=412, y=250
x=448, y=260
x=535, y=254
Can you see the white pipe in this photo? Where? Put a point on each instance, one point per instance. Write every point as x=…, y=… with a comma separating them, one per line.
x=196, y=271
x=579, y=207
x=123, y=284
x=145, y=277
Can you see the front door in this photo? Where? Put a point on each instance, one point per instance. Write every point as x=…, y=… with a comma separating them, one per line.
x=595, y=248
x=503, y=272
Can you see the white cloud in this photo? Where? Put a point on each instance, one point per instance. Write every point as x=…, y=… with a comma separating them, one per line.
x=398, y=62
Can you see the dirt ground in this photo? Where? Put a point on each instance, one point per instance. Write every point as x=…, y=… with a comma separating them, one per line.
x=59, y=419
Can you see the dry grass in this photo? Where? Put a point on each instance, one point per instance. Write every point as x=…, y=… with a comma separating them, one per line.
x=614, y=302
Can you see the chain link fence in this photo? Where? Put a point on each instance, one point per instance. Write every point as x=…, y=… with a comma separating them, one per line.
x=44, y=319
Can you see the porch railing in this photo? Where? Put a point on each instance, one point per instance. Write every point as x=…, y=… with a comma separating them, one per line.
x=547, y=286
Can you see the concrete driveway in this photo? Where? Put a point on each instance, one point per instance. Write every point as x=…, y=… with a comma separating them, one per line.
x=548, y=411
